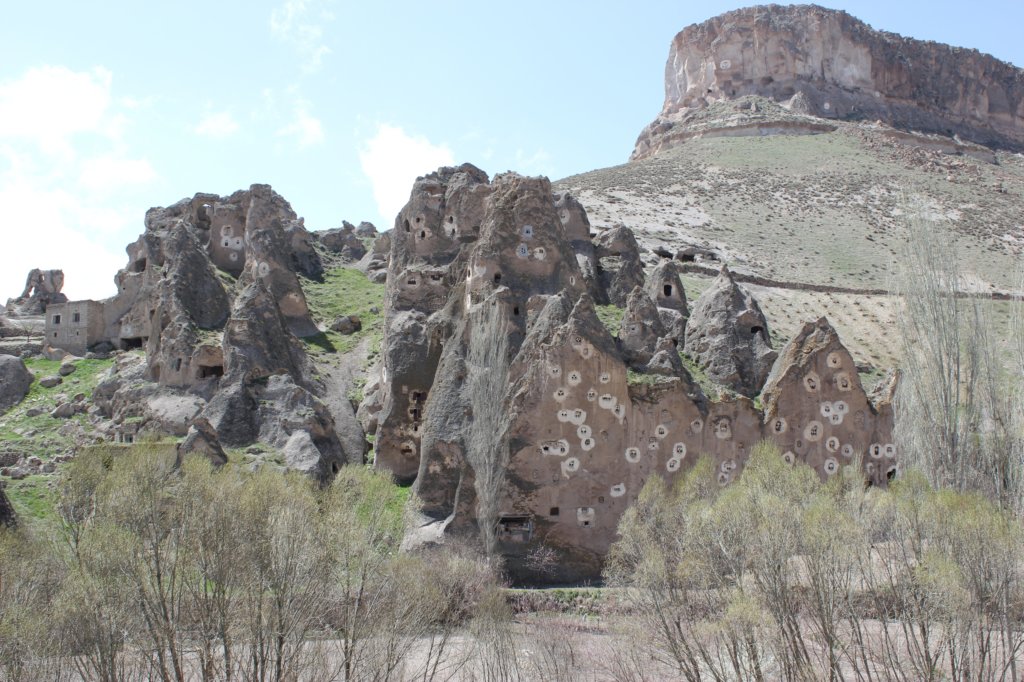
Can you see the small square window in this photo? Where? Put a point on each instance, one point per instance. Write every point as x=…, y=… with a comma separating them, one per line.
x=553, y=512
x=77, y=317
x=56, y=319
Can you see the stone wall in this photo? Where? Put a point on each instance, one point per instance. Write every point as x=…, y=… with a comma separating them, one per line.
x=75, y=326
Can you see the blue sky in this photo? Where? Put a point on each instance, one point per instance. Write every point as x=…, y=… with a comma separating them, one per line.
x=108, y=108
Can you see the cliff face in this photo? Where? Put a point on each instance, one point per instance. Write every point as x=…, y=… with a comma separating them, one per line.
x=825, y=63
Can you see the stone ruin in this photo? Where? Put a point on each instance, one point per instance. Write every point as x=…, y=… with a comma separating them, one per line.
x=519, y=418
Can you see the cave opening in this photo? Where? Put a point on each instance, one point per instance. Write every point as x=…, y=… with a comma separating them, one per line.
x=206, y=371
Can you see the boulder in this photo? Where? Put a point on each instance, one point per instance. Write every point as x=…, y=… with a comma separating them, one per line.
x=202, y=440
x=51, y=381
x=66, y=369
x=366, y=229
x=346, y=324
x=727, y=336
x=63, y=411
x=15, y=381
x=304, y=257
x=301, y=454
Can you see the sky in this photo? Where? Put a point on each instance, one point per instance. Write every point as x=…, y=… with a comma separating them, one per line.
x=110, y=107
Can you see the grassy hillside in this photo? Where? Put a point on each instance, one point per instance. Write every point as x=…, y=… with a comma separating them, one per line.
x=824, y=209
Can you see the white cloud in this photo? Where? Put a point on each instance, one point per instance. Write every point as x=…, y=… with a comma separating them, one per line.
x=107, y=173
x=392, y=160
x=305, y=128
x=218, y=124
x=537, y=163
x=66, y=181
x=51, y=234
x=300, y=24
x=50, y=104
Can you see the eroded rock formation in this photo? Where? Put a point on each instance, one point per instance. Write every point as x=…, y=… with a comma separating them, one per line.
x=825, y=64
x=212, y=293
x=727, y=335
x=42, y=287
x=818, y=412
x=521, y=419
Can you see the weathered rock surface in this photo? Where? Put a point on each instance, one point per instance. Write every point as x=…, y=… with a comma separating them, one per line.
x=818, y=412
x=42, y=287
x=502, y=396
x=212, y=293
x=618, y=264
x=825, y=64
x=346, y=324
x=202, y=440
x=15, y=380
x=375, y=262
x=665, y=288
x=640, y=329
x=345, y=241
x=727, y=336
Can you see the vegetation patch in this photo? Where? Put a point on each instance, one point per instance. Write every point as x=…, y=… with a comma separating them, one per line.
x=32, y=497
x=28, y=429
x=611, y=317
x=345, y=291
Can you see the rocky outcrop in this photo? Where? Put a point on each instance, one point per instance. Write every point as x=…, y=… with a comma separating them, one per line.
x=727, y=336
x=15, y=380
x=202, y=440
x=42, y=287
x=816, y=409
x=619, y=268
x=640, y=329
x=345, y=241
x=375, y=262
x=825, y=64
x=519, y=419
x=212, y=292
x=665, y=288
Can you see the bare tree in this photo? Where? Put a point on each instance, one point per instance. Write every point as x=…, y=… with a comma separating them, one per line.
x=960, y=418
x=488, y=365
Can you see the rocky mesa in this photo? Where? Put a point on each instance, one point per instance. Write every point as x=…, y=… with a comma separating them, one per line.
x=825, y=64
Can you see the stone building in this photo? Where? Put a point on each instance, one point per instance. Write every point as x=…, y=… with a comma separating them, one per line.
x=74, y=326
